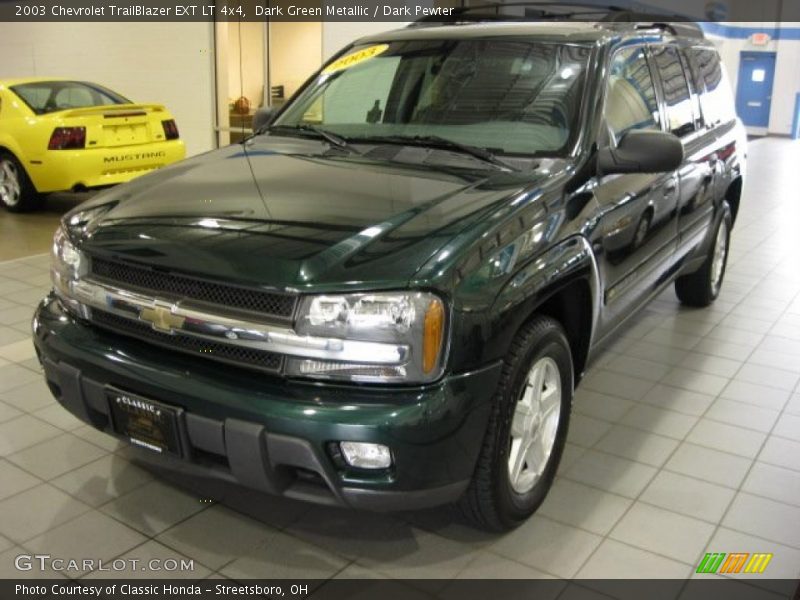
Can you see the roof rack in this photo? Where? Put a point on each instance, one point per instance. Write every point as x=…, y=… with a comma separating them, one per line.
x=613, y=17
x=534, y=11
x=674, y=23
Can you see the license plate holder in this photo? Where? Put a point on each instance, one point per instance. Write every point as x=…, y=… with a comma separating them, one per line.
x=144, y=422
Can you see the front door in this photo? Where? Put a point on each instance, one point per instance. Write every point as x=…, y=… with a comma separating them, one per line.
x=637, y=224
x=754, y=93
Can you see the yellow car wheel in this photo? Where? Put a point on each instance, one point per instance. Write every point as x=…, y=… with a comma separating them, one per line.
x=17, y=193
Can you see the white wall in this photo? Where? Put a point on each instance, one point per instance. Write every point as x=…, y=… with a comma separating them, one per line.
x=165, y=63
x=786, y=86
x=787, y=71
x=246, y=77
x=295, y=53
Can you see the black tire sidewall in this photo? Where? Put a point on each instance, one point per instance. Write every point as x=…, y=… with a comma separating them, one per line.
x=725, y=217
x=513, y=506
x=695, y=289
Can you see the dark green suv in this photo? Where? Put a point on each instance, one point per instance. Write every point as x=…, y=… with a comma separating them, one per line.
x=385, y=298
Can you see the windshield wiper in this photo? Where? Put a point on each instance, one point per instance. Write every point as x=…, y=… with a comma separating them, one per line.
x=435, y=141
x=328, y=136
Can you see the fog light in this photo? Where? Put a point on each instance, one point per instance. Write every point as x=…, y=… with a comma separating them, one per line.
x=366, y=456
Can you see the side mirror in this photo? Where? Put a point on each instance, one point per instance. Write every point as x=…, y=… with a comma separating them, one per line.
x=263, y=116
x=641, y=152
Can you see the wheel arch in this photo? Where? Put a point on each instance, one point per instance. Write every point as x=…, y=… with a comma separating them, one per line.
x=566, y=289
x=733, y=196
x=7, y=146
x=7, y=149
x=571, y=307
x=10, y=145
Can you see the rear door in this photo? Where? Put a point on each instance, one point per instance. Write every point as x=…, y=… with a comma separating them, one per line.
x=683, y=119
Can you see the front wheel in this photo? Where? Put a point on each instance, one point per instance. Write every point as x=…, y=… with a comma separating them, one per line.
x=527, y=429
x=702, y=287
x=17, y=193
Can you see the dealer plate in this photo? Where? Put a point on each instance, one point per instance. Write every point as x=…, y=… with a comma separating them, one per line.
x=144, y=422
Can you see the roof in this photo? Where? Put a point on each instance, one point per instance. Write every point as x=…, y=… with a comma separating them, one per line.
x=21, y=80
x=576, y=31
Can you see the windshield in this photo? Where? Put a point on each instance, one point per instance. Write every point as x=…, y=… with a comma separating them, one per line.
x=509, y=96
x=44, y=97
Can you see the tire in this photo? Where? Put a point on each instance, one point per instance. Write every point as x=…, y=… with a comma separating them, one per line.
x=702, y=287
x=17, y=193
x=642, y=229
x=496, y=500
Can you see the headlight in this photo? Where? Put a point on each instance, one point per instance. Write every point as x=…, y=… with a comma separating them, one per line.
x=414, y=320
x=67, y=265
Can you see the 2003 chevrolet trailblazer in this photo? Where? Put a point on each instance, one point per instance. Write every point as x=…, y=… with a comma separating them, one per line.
x=385, y=298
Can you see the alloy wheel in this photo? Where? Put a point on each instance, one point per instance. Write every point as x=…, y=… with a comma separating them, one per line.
x=10, y=188
x=534, y=425
x=718, y=260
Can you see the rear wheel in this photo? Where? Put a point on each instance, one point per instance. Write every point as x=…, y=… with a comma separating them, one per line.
x=702, y=287
x=527, y=429
x=642, y=229
x=17, y=193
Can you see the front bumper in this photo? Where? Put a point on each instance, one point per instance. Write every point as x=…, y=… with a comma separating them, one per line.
x=61, y=170
x=274, y=435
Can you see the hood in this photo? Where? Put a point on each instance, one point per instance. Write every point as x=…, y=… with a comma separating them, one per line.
x=290, y=213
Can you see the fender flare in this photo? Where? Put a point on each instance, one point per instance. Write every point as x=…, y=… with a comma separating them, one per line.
x=7, y=144
x=545, y=275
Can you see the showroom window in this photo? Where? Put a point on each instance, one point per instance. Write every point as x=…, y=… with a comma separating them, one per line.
x=259, y=65
x=680, y=117
x=631, y=97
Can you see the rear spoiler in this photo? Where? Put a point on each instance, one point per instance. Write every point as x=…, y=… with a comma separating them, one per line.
x=114, y=110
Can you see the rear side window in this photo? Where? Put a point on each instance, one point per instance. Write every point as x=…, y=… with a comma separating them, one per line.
x=44, y=97
x=630, y=96
x=695, y=87
x=680, y=117
x=717, y=99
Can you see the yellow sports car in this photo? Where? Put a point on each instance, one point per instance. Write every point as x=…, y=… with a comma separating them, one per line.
x=58, y=135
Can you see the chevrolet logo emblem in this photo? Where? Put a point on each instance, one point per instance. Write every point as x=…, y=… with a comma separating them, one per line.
x=160, y=316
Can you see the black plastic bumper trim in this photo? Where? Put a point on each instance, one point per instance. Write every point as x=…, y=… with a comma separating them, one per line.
x=256, y=458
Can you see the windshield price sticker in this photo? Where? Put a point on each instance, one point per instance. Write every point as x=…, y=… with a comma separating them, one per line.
x=355, y=58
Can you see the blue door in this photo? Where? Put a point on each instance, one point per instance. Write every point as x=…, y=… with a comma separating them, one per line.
x=754, y=96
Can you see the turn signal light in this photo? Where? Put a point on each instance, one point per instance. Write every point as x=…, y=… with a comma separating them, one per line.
x=67, y=138
x=433, y=333
x=170, y=129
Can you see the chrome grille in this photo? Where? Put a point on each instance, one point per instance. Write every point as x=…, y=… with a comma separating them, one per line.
x=267, y=304
x=238, y=355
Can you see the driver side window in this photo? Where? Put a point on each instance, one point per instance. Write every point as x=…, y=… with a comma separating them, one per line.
x=630, y=95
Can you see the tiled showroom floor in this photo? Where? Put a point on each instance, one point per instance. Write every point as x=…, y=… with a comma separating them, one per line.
x=685, y=439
